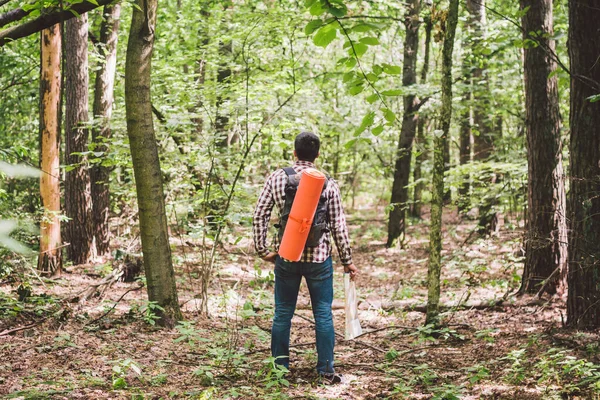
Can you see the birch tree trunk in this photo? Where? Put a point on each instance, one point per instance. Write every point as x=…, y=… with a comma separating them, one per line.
x=50, y=258
x=103, y=100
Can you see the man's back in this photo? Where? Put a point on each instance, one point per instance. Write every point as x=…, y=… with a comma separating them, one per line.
x=273, y=194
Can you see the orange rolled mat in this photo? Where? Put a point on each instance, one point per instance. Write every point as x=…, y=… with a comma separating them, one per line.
x=302, y=214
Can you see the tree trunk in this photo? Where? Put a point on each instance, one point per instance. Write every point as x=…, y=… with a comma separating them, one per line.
x=221, y=117
x=483, y=139
x=465, y=121
x=50, y=260
x=482, y=121
x=103, y=100
x=435, y=237
x=421, y=139
x=78, y=200
x=546, y=226
x=397, y=219
x=583, y=303
x=148, y=178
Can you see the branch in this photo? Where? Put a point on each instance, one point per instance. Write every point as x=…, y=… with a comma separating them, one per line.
x=114, y=305
x=48, y=20
x=373, y=17
x=12, y=16
x=22, y=328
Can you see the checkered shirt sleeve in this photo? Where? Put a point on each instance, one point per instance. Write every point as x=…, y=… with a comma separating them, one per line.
x=337, y=223
x=262, y=215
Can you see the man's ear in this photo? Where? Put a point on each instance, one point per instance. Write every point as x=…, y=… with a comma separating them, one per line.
x=295, y=156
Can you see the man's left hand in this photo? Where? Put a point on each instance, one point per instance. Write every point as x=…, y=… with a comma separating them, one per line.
x=270, y=257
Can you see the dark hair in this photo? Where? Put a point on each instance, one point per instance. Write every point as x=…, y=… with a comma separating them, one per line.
x=307, y=146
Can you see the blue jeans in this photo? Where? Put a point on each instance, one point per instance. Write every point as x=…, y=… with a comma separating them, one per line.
x=319, y=278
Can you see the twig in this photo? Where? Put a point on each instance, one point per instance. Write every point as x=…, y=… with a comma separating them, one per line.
x=548, y=281
x=114, y=305
x=385, y=328
x=22, y=328
x=342, y=336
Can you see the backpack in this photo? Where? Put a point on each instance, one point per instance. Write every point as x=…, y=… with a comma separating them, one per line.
x=319, y=224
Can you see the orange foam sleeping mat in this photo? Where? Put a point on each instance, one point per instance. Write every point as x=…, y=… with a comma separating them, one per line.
x=302, y=214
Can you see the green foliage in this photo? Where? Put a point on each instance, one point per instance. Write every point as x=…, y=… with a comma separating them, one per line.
x=149, y=312
x=120, y=370
x=273, y=375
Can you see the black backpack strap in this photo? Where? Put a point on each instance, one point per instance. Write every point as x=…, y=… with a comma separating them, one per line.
x=289, y=171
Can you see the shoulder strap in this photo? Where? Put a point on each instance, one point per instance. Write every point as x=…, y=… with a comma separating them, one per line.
x=289, y=171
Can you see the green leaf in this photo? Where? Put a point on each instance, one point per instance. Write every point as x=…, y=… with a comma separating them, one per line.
x=351, y=62
x=392, y=69
x=348, y=76
x=359, y=49
x=367, y=121
x=312, y=26
x=338, y=10
x=372, y=98
x=316, y=9
x=363, y=27
x=377, y=130
x=594, y=98
x=377, y=69
x=324, y=36
x=350, y=143
x=354, y=90
x=394, y=92
x=19, y=170
x=119, y=383
x=309, y=3
x=372, y=41
x=372, y=77
x=389, y=115
x=342, y=61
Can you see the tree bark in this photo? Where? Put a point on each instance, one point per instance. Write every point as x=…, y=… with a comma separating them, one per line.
x=583, y=303
x=78, y=197
x=13, y=15
x=399, y=198
x=421, y=139
x=148, y=178
x=221, y=117
x=482, y=121
x=545, y=239
x=47, y=20
x=435, y=236
x=50, y=259
x=101, y=133
x=465, y=120
x=482, y=128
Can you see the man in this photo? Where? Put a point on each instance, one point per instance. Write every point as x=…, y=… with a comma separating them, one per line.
x=315, y=264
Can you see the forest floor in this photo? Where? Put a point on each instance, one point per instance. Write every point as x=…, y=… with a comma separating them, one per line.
x=487, y=348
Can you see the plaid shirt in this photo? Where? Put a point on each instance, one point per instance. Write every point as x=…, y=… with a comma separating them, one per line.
x=273, y=193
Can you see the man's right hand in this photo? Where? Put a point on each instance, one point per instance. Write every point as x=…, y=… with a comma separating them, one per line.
x=270, y=257
x=352, y=270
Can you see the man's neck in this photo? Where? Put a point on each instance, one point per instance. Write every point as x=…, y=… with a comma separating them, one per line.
x=304, y=163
